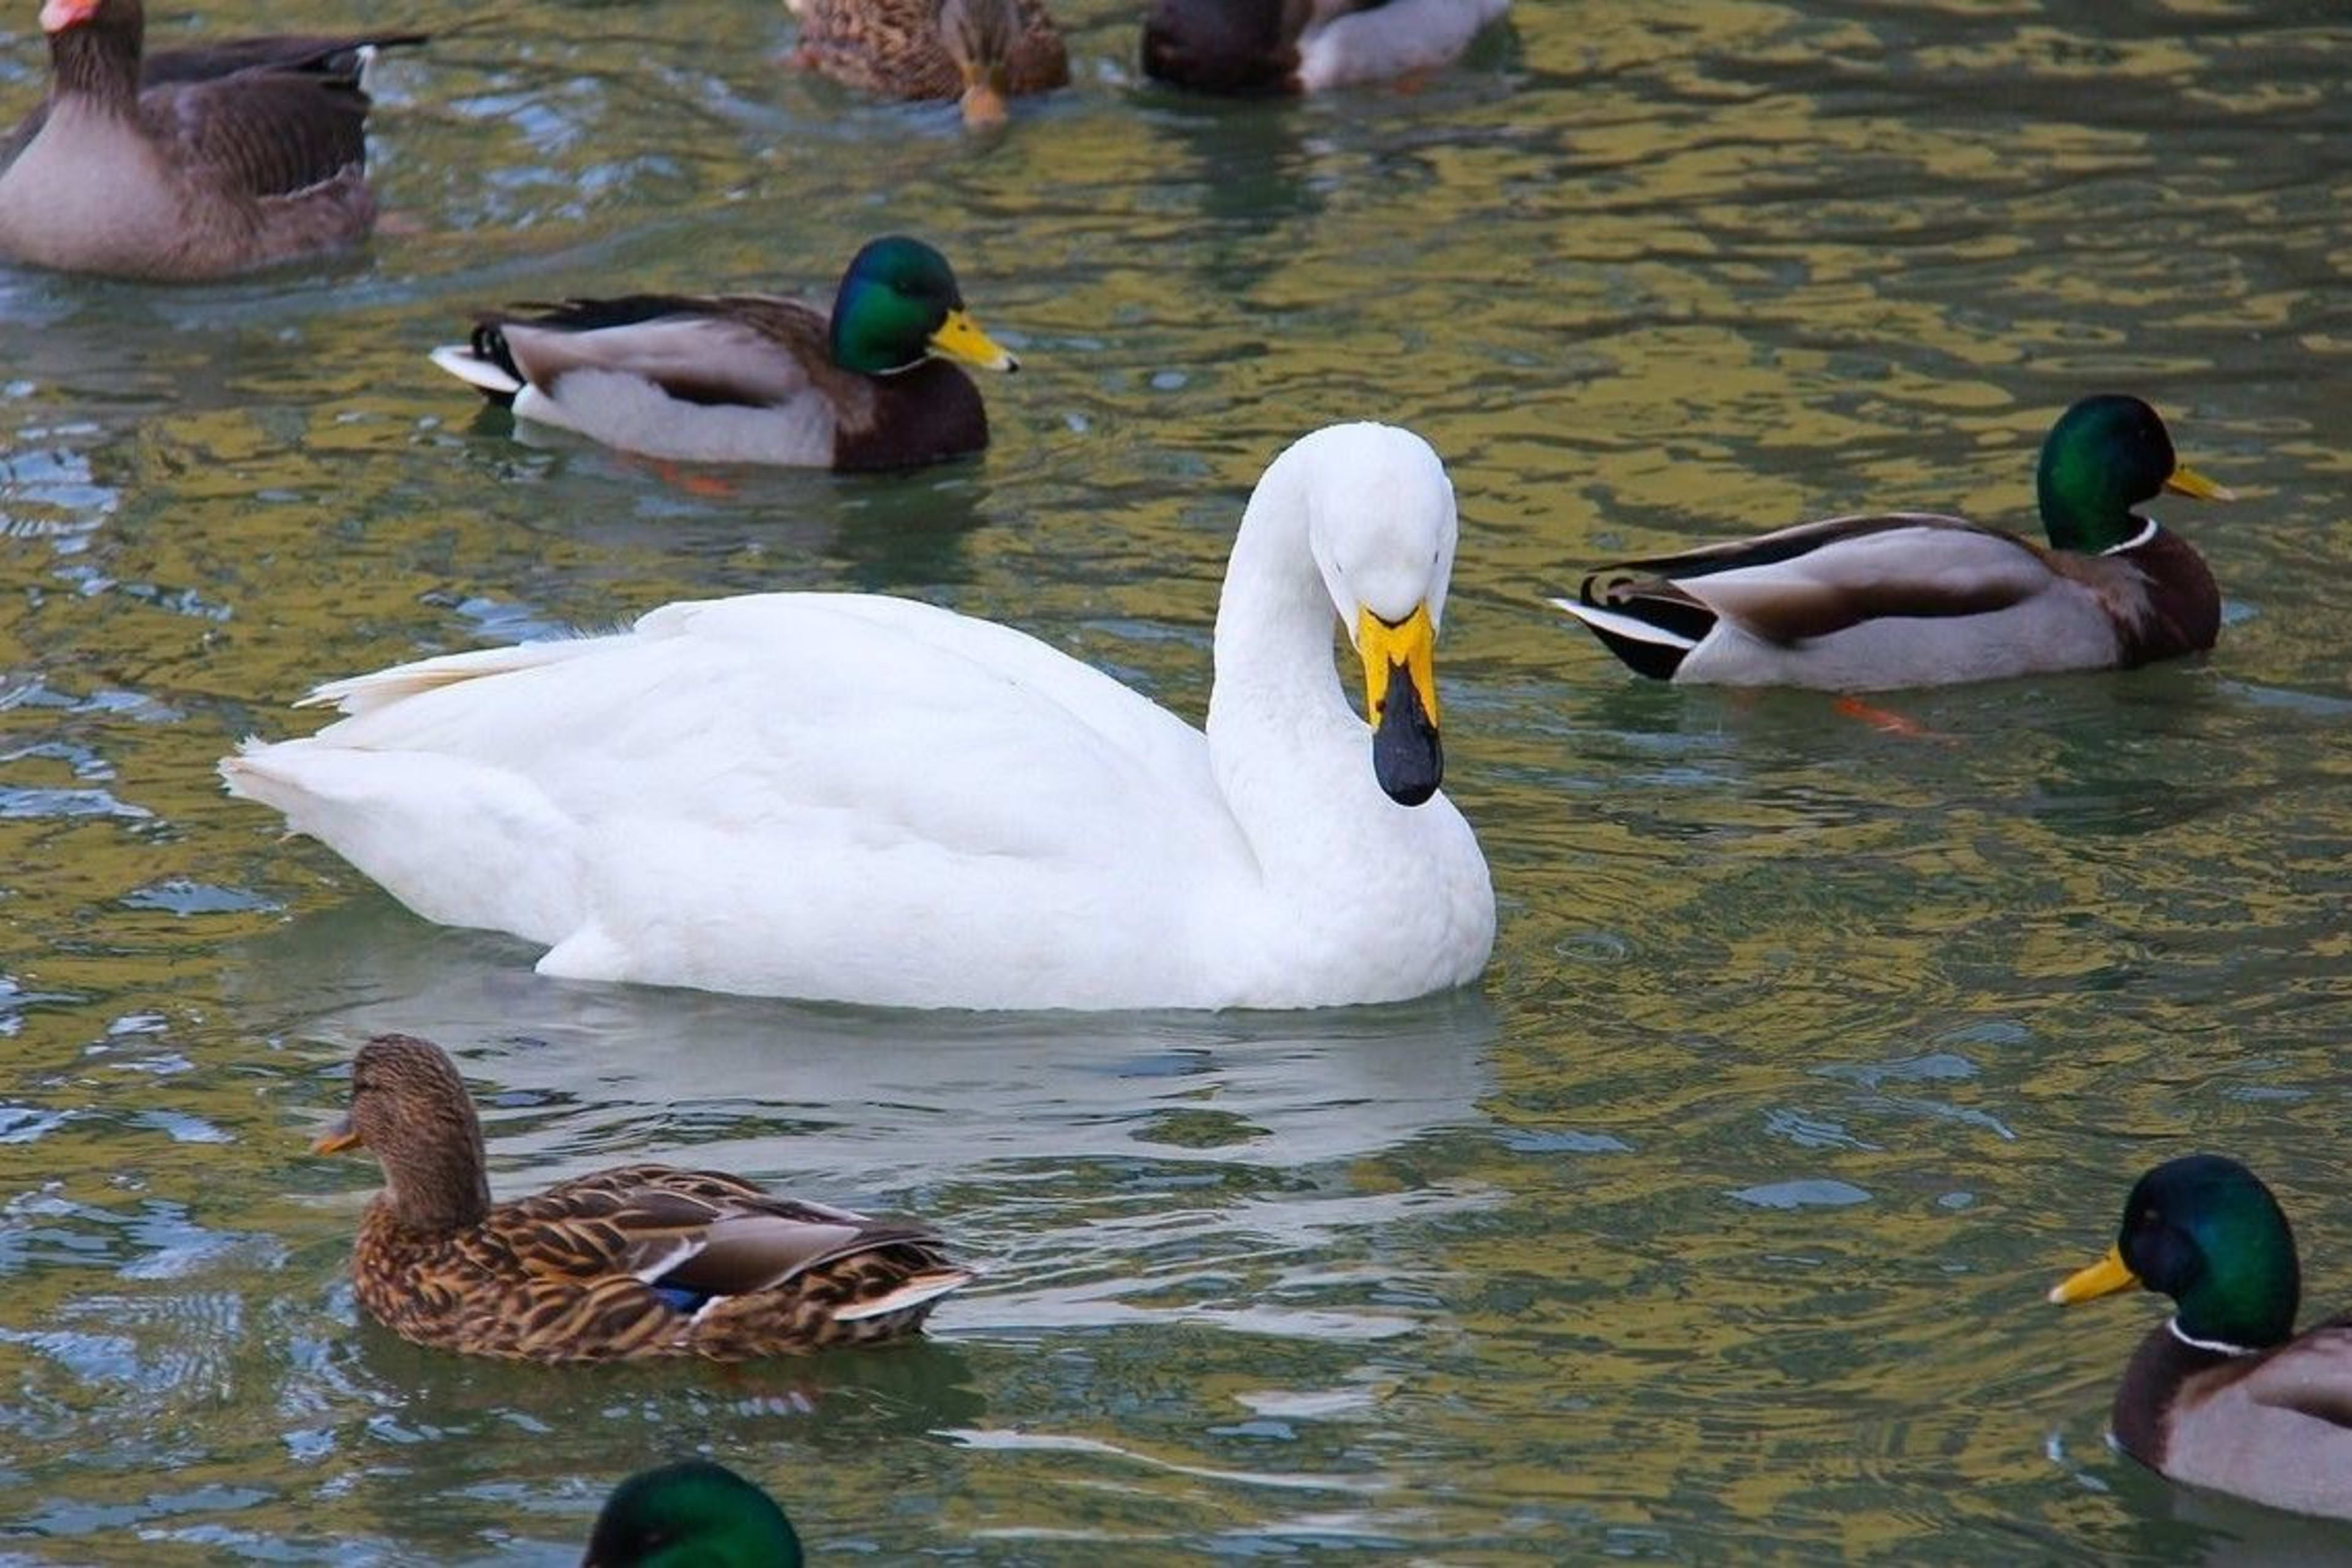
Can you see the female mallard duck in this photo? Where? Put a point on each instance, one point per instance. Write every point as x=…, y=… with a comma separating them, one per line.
x=692, y=1514
x=1259, y=47
x=198, y=163
x=863, y=799
x=1857, y=604
x=979, y=52
x=753, y=378
x=636, y=1261
x=2226, y=1395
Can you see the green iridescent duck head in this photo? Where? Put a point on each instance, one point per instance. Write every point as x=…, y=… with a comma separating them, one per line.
x=692, y=1513
x=899, y=305
x=2105, y=456
x=2206, y=1232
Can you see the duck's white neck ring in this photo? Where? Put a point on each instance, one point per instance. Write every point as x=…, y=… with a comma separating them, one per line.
x=2147, y=535
x=2218, y=1347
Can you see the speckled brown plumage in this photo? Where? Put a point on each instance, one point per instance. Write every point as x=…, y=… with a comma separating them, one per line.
x=636, y=1261
x=907, y=49
x=198, y=163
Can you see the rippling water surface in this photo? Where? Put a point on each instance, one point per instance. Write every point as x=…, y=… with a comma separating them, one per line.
x=1715, y=1226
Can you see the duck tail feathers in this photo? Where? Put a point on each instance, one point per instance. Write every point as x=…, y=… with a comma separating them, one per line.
x=919, y=1291
x=484, y=363
x=1646, y=647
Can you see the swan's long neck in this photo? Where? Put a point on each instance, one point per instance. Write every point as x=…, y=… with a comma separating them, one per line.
x=1275, y=676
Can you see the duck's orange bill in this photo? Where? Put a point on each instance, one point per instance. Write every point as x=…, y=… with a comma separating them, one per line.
x=336, y=1139
x=2104, y=1277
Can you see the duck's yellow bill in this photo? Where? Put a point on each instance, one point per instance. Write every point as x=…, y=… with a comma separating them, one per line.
x=960, y=338
x=1410, y=645
x=2104, y=1277
x=2185, y=480
x=343, y=1135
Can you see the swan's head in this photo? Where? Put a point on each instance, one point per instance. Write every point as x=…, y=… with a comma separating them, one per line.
x=1380, y=523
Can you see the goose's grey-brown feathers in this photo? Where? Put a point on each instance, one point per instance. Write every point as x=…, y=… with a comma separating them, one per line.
x=196, y=164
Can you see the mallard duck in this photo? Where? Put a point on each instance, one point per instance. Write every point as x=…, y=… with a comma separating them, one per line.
x=1258, y=47
x=638, y=1261
x=855, y=799
x=753, y=378
x=977, y=51
x=1858, y=604
x=198, y=163
x=2226, y=1395
x=692, y=1514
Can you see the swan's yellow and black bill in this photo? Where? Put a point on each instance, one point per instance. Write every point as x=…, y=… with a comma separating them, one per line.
x=1401, y=702
x=2185, y=480
x=960, y=338
x=2104, y=1277
x=343, y=1135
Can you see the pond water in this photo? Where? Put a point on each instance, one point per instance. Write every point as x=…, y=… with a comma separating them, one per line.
x=1713, y=1225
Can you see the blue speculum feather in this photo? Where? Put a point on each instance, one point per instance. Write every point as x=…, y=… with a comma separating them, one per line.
x=684, y=1299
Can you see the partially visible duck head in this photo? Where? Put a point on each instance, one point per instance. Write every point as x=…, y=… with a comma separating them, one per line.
x=695, y=1514
x=1243, y=48
x=978, y=36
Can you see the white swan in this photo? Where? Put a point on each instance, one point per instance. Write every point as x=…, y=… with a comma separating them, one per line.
x=854, y=798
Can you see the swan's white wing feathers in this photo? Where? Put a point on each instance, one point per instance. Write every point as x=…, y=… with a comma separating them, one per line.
x=767, y=707
x=624, y=798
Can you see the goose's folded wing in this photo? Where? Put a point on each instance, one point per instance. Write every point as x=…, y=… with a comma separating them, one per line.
x=263, y=133
x=748, y=350
x=338, y=56
x=320, y=54
x=1819, y=578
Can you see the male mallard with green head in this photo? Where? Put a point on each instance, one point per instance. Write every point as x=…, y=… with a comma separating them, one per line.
x=2226, y=1395
x=638, y=1261
x=979, y=52
x=753, y=378
x=692, y=1514
x=1858, y=604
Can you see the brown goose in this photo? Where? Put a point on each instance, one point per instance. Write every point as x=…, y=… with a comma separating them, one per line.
x=195, y=163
